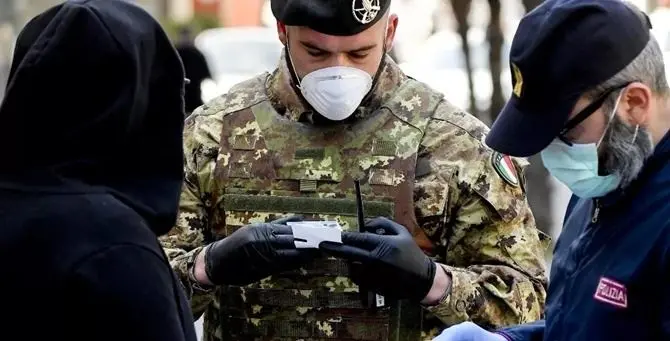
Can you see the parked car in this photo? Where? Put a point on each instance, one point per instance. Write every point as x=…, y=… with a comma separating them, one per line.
x=440, y=63
x=235, y=54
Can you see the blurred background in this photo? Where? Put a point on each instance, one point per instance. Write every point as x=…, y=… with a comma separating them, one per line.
x=459, y=47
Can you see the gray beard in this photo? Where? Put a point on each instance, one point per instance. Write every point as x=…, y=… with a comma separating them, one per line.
x=621, y=155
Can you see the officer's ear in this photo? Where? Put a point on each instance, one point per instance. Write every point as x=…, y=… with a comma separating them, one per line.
x=281, y=33
x=637, y=104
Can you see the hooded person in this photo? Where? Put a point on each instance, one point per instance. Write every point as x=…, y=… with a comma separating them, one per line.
x=90, y=176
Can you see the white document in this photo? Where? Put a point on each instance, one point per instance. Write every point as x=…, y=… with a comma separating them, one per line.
x=309, y=234
x=380, y=300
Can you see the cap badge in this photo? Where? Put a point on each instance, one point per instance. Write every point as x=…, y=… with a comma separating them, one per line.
x=518, y=80
x=365, y=11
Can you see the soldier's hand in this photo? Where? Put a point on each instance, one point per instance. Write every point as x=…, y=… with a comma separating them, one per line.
x=253, y=253
x=390, y=264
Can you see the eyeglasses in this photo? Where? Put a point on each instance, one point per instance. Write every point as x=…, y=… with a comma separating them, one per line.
x=586, y=112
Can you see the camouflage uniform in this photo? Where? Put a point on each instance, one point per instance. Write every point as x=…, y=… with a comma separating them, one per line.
x=468, y=214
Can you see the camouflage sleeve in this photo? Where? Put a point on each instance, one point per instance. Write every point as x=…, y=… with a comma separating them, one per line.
x=186, y=239
x=471, y=203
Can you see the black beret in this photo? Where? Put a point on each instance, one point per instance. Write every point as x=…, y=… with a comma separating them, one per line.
x=333, y=17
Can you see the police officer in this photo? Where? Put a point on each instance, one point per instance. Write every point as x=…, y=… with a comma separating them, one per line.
x=459, y=241
x=590, y=93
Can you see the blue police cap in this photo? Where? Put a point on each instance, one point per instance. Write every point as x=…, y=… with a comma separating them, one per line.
x=332, y=17
x=560, y=50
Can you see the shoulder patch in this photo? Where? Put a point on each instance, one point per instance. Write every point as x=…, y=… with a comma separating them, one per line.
x=504, y=166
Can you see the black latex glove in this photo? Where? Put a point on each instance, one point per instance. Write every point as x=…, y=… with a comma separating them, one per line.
x=255, y=252
x=390, y=264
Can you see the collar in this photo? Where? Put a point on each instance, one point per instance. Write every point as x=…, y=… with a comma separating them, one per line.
x=663, y=146
x=288, y=101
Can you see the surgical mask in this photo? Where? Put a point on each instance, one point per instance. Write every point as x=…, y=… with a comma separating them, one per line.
x=335, y=92
x=576, y=166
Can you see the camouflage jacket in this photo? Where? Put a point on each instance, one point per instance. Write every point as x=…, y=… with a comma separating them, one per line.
x=469, y=201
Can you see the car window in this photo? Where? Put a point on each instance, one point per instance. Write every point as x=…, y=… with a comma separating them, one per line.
x=241, y=57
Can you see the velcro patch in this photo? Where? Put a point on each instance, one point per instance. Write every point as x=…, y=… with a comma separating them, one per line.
x=504, y=166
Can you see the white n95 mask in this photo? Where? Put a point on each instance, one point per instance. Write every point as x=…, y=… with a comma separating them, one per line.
x=335, y=92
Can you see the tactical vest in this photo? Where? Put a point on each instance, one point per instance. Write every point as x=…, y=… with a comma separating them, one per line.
x=271, y=166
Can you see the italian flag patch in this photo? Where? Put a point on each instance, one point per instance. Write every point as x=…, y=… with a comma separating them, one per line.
x=505, y=168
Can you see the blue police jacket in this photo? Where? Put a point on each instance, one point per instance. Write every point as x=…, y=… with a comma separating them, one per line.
x=610, y=276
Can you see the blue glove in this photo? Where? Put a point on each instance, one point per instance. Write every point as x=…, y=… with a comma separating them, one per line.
x=468, y=331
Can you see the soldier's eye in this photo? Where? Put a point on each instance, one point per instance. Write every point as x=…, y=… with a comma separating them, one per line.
x=358, y=55
x=314, y=53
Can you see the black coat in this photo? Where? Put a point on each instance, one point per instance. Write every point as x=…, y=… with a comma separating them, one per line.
x=90, y=174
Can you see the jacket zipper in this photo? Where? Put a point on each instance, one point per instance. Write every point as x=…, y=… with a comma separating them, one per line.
x=596, y=211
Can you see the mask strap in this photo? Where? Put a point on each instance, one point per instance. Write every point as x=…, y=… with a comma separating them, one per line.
x=382, y=64
x=609, y=122
x=386, y=32
x=291, y=66
x=637, y=129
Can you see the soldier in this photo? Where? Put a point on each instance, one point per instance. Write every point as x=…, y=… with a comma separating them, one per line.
x=463, y=244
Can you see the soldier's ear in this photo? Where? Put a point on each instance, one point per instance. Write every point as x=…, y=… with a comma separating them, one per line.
x=391, y=30
x=281, y=33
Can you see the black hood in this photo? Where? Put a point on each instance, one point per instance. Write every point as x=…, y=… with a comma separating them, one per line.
x=94, y=102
